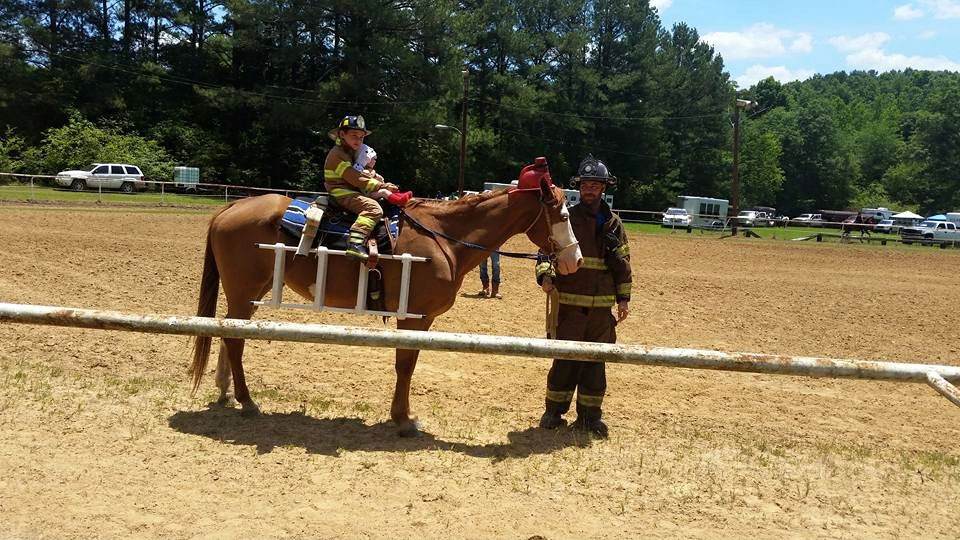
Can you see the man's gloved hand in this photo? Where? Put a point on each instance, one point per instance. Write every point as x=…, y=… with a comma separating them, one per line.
x=547, y=284
x=545, y=270
x=393, y=188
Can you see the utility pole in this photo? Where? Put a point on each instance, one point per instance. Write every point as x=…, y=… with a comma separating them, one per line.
x=463, y=131
x=735, y=186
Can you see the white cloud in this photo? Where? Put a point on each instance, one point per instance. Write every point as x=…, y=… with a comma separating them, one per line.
x=929, y=34
x=944, y=9
x=872, y=40
x=757, y=73
x=661, y=5
x=941, y=9
x=762, y=40
x=880, y=60
x=906, y=12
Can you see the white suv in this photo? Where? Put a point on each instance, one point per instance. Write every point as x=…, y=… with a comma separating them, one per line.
x=675, y=217
x=126, y=178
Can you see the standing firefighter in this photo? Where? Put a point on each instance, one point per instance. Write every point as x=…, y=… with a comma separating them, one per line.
x=349, y=186
x=585, y=300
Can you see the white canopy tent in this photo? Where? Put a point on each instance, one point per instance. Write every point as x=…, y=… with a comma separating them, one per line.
x=906, y=219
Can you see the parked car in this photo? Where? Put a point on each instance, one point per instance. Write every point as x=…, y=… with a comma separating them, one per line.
x=126, y=178
x=812, y=220
x=886, y=226
x=675, y=217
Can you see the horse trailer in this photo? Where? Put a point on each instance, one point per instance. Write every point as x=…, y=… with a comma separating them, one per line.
x=705, y=211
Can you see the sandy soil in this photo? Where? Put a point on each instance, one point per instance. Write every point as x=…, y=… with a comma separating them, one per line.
x=99, y=436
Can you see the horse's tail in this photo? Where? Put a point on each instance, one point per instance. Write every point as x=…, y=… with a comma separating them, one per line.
x=206, y=307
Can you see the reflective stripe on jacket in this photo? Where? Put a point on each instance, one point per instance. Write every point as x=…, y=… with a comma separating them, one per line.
x=605, y=276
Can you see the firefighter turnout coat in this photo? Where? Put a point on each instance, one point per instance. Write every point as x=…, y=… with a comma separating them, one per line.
x=604, y=279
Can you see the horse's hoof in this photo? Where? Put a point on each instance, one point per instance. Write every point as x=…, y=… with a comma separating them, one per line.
x=249, y=410
x=227, y=401
x=409, y=429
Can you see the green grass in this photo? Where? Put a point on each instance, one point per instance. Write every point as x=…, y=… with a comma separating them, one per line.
x=24, y=193
x=768, y=233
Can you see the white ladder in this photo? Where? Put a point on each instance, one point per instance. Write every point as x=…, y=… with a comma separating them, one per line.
x=323, y=254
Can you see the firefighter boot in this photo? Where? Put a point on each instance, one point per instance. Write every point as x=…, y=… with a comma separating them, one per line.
x=356, y=246
x=588, y=419
x=553, y=415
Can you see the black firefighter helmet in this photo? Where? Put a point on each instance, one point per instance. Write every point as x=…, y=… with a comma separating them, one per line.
x=348, y=123
x=592, y=168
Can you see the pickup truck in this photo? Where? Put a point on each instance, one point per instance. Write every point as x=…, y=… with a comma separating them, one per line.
x=931, y=232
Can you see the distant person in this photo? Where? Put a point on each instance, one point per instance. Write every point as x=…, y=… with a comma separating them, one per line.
x=487, y=291
x=494, y=259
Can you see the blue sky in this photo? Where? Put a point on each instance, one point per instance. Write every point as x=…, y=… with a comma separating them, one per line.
x=792, y=40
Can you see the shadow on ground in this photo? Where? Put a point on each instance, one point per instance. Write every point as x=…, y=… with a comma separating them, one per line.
x=332, y=436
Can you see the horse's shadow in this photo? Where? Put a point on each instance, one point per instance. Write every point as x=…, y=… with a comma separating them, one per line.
x=332, y=436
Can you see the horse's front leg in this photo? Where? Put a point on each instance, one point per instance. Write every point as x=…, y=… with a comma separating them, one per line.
x=407, y=425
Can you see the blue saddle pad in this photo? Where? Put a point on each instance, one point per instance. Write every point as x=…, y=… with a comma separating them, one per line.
x=335, y=225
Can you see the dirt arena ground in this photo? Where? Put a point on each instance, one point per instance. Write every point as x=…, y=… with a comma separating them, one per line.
x=99, y=436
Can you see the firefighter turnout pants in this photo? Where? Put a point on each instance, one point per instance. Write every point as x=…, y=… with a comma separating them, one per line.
x=588, y=379
x=368, y=214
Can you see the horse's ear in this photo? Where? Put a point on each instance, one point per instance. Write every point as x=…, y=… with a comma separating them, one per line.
x=546, y=190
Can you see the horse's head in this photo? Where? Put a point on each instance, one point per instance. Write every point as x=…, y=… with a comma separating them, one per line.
x=553, y=234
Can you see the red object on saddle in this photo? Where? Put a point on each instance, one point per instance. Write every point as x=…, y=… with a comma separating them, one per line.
x=400, y=199
x=530, y=175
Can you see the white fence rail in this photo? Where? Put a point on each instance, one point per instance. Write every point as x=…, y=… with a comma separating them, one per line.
x=938, y=377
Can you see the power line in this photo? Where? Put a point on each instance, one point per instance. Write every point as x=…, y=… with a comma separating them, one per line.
x=213, y=86
x=596, y=117
x=578, y=144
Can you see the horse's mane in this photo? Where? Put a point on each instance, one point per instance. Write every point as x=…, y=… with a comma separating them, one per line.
x=457, y=205
x=453, y=207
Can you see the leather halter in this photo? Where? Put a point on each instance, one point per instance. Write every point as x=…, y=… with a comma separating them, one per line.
x=556, y=248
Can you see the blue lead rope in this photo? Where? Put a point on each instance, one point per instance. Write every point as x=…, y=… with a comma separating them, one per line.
x=513, y=254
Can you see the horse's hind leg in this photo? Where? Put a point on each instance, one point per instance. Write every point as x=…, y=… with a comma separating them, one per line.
x=234, y=349
x=223, y=378
x=231, y=353
x=224, y=373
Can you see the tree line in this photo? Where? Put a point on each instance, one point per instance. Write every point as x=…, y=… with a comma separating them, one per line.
x=246, y=90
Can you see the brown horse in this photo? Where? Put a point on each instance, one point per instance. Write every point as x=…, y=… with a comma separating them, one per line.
x=246, y=271
x=859, y=222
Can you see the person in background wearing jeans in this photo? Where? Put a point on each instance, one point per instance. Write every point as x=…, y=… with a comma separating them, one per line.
x=494, y=259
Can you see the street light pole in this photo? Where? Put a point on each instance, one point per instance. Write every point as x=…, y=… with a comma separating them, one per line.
x=463, y=131
x=463, y=152
x=746, y=105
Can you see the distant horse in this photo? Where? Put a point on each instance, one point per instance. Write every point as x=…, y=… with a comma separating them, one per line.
x=859, y=222
x=246, y=271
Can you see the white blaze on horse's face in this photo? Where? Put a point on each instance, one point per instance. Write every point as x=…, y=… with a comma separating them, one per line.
x=569, y=256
